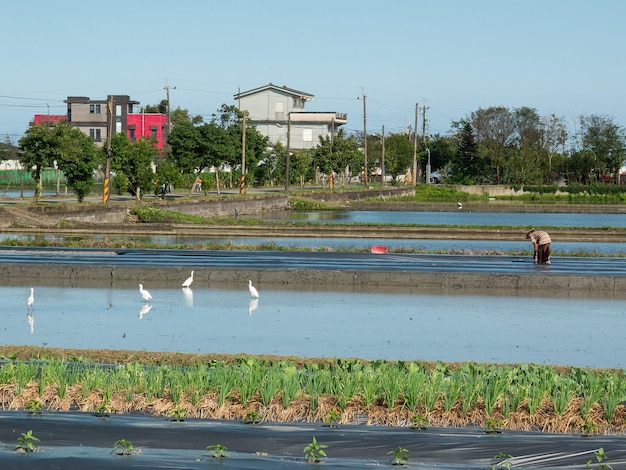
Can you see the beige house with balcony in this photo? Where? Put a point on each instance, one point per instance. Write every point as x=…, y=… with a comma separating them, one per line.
x=278, y=113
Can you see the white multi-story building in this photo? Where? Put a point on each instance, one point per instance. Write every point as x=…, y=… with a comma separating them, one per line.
x=278, y=113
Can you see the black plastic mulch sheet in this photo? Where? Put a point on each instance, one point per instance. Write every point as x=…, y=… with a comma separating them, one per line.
x=85, y=441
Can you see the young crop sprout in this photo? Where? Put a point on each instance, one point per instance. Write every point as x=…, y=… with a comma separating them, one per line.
x=217, y=451
x=253, y=417
x=333, y=418
x=34, y=407
x=400, y=456
x=493, y=426
x=124, y=447
x=178, y=414
x=313, y=452
x=102, y=410
x=26, y=442
x=419, y=422
x=600, y=458
x=502, y=461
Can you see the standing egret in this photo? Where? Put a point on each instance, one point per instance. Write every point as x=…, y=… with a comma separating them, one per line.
x=188, y=281
x=144, y=293
x=253, y=292
x=31, y=299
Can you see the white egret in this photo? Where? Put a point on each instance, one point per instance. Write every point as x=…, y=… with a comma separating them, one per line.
x=144, y=293
x=31, y=299
x=253, y=292
x=188, y=281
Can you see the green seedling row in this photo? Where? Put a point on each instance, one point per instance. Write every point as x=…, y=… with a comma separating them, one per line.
x=414, y=387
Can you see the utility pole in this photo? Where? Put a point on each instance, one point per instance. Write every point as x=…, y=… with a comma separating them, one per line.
x=414, y=172
x=242, y=181
x=169, y=108
x=382, y=160
x=287, y=154
x=424, y=124
x=106, y=187
x=365, y=171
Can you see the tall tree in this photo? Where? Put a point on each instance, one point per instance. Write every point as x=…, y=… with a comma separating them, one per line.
x=496, y=131
x=132, y=163
x=470, y=167
x=606, y=141
x=77, y=159
x=338, y=153
x=41, y=149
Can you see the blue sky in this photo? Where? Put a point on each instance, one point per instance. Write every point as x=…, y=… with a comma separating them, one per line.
x=562, y=57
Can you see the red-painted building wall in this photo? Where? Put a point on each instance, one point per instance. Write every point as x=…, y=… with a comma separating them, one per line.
x=148, y=125
x=138, y=125
x=41, y=118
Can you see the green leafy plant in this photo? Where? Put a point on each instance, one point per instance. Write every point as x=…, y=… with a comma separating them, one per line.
x=217, y=451
x=124, y=447
x=493, y=426
x=400, y=456
x=178, y=414
x=102, y=410
x=253, y=417
x=26, y=442
x=333, y=418
x=600, y=458
x=34, y=407
x=502, y=461
x=314, y=451
x=419, y=422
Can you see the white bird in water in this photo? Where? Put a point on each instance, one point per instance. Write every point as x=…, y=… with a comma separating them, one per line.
x=31, y=299
x=459, y=205
x=144, y=293
x=253, y=292
x=188, y=281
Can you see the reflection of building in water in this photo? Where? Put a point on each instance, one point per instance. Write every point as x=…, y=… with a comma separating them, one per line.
x=31, y=322
x=188, y=294
x=145, y=309
x=252, y=306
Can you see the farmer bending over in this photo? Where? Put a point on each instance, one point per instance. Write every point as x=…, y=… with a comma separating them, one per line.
x=541, y=246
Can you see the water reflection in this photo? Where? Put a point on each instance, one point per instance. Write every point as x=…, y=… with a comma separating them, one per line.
x=144, y=309
x=31, y=322
x=188, y=296
x=253, y=305
x=450, y=326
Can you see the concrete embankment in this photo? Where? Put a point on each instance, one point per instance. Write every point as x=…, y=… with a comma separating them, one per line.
x=111, y=275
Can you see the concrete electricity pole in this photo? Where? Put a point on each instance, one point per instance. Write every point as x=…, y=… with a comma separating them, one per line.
x=365, y=171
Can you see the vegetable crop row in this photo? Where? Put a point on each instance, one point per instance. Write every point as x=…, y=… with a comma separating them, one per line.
x=414, y=386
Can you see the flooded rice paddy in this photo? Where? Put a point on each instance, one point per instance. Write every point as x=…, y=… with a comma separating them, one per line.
x=584, y=332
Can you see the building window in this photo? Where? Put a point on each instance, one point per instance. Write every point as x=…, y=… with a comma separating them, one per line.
x=98, y=109
x=132, y=135
x=69, y=113
x=98, y=135
x=153, y=132
x=307, y=135
x=92, y=134
x=92, y=108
